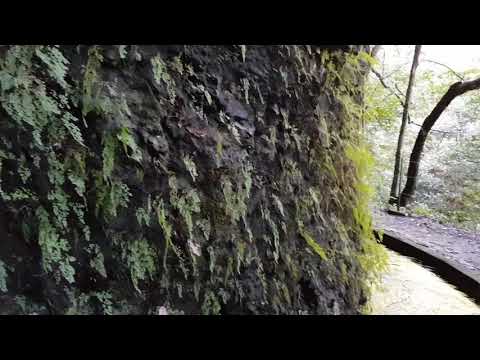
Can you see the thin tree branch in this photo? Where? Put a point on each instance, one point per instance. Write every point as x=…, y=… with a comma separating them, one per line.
x=449, y=68
x=435, y=130
x=396, y=94
x=394, y=71
x=384, y=84
x=399, y=91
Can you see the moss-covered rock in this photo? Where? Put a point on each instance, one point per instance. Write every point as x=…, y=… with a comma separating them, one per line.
x=183, y=179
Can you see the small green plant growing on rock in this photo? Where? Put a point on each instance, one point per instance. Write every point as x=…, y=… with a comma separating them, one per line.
x=186, y=203
x=111, y=196
x=97, y=262
x=161, y=74
x=144, y=214
x=311, y=242
x=3, y=277
x=126, y=139
x=210, y=305
x=141, y=261
x=105, y=299
x=55, y=249
x=91, y=80
x=190, y=165
x=166, y=228
x=373, y=257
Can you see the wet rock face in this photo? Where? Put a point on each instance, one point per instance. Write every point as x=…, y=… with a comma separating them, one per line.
x=200, y=181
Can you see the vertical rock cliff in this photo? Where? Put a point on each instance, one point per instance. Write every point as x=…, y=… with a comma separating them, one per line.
x=183, y=180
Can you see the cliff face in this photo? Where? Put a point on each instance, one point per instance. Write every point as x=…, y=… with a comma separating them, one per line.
x=182, y=179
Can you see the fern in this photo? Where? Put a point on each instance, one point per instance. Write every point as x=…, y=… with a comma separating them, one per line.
x=97, y=263
x=105, y=299
x=54, y=248
x=21, y=194
x=55, y=61
x=108, y=155
x=79, y=210
x=3, y=277
x=160, y=74
x=186, y=204
x=111, y=197
x=69, y=122
x=140, y=258
x=144, y=214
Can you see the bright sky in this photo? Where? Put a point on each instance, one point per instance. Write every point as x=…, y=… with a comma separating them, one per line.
x=458, y=57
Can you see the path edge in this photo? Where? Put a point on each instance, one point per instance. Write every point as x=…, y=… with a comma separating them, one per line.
x=455, y=274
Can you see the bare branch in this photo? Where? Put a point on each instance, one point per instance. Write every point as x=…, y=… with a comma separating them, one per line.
x=384, y=84
x=398, y=94
x=434, y=130
x=449, y=68
x=399, y=91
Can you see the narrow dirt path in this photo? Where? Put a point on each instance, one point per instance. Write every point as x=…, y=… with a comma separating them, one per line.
x=456, y=245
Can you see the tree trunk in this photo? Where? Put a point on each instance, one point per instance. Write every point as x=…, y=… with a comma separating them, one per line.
x=401, y=134
x=455, y=90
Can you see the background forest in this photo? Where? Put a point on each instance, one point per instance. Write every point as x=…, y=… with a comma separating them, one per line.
x=448, y=187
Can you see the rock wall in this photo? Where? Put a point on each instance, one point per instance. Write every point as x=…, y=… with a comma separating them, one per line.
x=183, y=180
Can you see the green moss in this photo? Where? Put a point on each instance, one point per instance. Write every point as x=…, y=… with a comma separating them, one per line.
x=312, y=243
x=373, y=257
x=129, y=145
x=236, y=197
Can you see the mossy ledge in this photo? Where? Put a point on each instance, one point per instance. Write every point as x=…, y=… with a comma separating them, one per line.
x=184, y=180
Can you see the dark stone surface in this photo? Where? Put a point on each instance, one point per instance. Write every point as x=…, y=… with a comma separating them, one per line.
x=269, y=138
